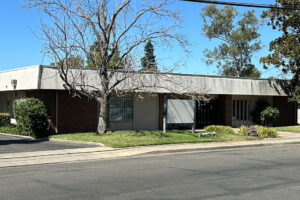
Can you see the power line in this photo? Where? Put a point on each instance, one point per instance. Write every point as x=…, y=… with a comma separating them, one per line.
x=253, y=5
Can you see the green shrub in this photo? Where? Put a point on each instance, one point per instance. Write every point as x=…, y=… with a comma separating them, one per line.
x=31, y=116
x=243, y=130
x=4, y=119
x=269, y=115
x=219, y=129
x=260, y=106
x=266, y=132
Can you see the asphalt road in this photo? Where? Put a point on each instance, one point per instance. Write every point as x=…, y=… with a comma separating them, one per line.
x=255, y=173
x=12, y=144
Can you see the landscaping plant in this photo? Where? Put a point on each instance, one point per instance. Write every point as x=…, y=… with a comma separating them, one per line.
x=4, y=119
x=31, y=116
x=219, y=129
x=243, y=130
x=261, y=131
x=260, y=106
x=266, y=132
x=268, y=116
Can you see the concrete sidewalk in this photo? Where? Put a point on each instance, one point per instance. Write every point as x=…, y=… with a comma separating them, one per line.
x=84, y=154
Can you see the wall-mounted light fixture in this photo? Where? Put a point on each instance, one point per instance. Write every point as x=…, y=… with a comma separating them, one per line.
x=14, y=83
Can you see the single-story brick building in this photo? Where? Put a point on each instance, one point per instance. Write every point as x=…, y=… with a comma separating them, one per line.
x=233, y=100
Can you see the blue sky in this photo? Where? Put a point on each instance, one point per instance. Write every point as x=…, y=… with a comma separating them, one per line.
x=20, y=47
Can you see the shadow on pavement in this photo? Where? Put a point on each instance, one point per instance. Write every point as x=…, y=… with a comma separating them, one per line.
x=22, y=141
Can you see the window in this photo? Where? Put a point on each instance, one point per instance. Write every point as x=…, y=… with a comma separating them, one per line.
x=240, y=109
x=233, y=108
x=121, y=108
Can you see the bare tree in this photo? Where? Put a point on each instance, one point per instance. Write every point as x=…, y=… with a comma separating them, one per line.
x=116, y=26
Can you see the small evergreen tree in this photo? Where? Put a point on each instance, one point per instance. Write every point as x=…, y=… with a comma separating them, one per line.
x=148, y=61
x=74, y=61
x=114, y=63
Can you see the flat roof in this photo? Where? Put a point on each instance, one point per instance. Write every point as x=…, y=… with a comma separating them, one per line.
x=169, y=73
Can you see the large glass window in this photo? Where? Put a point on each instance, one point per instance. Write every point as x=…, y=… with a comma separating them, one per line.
x=121, y=108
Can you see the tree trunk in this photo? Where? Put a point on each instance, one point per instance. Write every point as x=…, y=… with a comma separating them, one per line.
x=103, y=115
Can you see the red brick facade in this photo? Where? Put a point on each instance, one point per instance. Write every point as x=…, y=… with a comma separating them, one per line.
x=224, y=110
x=287, y=111
x=74, y=114
x=228, y=110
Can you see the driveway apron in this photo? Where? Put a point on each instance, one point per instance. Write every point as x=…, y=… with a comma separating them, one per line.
x=15, y=144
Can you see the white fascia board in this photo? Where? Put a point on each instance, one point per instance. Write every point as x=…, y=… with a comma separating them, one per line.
x=27, y=78
x=47, y=78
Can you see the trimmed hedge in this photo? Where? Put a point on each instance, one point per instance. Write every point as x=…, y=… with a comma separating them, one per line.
x=219, y=129
x=31, y=116
x=4, y=119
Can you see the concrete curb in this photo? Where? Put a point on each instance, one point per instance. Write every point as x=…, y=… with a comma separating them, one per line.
x=76, y=142
x=219, y=148
x=100, y=153
x=20, y=136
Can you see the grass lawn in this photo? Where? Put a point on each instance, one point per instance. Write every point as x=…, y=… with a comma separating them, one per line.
x=9, y=130
x=138, y=138
x=295, y=129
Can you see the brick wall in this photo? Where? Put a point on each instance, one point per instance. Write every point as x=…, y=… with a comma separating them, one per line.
x=224, y=110
x=220, y=116
x=287, y=111
x=76, y=114
x=228, y=110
